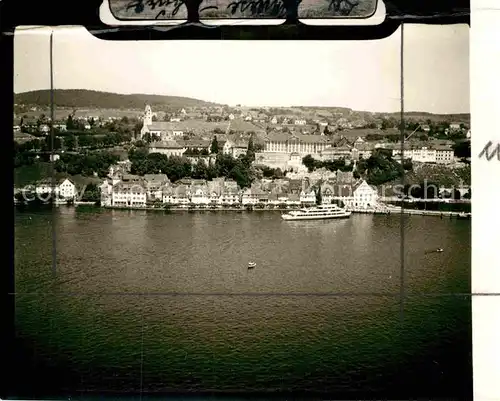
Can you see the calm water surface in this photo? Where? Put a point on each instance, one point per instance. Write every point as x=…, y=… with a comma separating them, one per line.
x=164, y=302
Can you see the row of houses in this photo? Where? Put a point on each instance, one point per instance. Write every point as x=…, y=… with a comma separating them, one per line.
x=136, y=191
x=64, y=189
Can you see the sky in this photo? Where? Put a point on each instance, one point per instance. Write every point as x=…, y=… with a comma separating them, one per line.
x=359, y=75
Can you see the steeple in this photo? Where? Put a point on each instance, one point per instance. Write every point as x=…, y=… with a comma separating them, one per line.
x=148, y=115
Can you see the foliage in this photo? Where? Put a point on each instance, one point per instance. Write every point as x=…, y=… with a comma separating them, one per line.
x=91, y=193
x=251, y=149
x=25, y=153
x=196, y=152
x=462, y=149
x=332, y=165
x=268, y=172
x=380, y=168
x=240, y=169
x=319, y=198
x=214, y=147
x=86, y=164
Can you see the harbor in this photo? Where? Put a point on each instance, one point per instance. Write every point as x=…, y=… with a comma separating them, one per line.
x=387, y=210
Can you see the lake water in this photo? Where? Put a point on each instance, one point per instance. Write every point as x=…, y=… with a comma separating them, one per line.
x=164, y=302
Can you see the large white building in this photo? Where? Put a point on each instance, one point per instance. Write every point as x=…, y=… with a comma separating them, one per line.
x=360, y=195
x=129, y=193
x=426, y=153
x=295, y=143
x=169, y=148
x=63, y=188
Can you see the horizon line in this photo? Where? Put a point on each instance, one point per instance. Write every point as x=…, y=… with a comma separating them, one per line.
x=242, y=105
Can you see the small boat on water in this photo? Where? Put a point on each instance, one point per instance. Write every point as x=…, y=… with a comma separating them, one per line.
x=251, y=265
x=464, y=216
x=439, y=250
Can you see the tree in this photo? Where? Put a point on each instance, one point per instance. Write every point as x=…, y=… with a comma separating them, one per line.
x=319, y=198
x=91, y=193
x=278, y=173
x=251, y=149
x=457, y=195
x=309, y=162
x=70, y=142
x=200, y=170
x=214, y=147
x=462, y=149
x=408, y=164
x=70, y=123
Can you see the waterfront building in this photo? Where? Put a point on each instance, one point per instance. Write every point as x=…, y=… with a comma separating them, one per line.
x=200, y=196
x=230, y=196
x=154, y=185
x=178, y=195
x=360, y=195
x=249, y=197
x=106, y=189
x=66, y=189
x=293, y=200
x=63, y=188
x=254, y=196
x=308, y=197
x=129, y=194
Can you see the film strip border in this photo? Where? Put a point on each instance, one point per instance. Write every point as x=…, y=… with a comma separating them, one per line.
x=240, y=9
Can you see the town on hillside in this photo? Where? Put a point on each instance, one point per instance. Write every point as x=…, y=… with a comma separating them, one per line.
x=220, y=156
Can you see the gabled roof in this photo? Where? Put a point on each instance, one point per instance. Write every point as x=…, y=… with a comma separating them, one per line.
x=165, y=145
x=195, y=143
x=283, y=137
x=365, y=146
x=181, y=190
x=155, y=178
x=131, y=177
x=343, y=190
x=128, y=187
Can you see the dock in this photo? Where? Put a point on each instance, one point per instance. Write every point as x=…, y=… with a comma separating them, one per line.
x=410, y=212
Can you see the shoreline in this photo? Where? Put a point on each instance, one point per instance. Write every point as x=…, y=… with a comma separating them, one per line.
x=388, y=211
x=391, y=211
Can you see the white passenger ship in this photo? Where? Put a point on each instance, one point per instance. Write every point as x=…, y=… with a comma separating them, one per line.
x=320, y=212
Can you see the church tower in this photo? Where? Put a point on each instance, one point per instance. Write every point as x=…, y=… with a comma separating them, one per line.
x=146, y=121
x=148, y=115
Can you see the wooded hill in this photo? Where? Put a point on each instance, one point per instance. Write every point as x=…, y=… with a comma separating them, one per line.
x=81, y=98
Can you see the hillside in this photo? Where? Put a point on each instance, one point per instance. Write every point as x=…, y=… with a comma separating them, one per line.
x=422, y=115
x=80, y=98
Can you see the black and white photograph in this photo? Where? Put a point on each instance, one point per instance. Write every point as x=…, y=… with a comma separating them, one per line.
x=239, y=9
x=243, y=217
